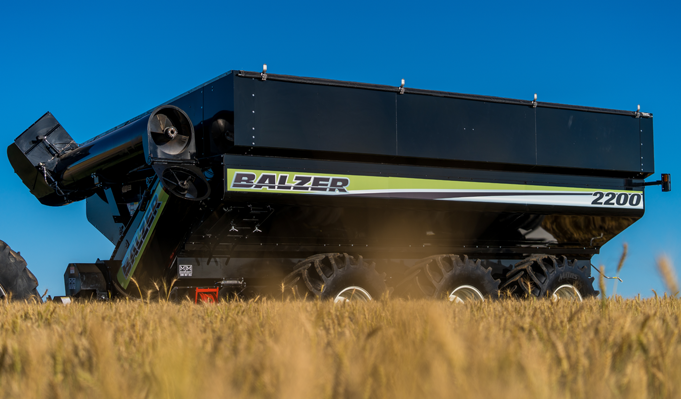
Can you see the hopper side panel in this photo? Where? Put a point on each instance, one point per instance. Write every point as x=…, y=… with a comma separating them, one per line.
x=465, y=130
x=587, y=140
x=299, y=116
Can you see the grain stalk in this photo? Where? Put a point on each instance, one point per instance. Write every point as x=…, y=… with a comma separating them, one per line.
x=602, y=287
x=138, y=287
x=666, y=270
x=168, y=289
x=601, y=282
x=625, y=249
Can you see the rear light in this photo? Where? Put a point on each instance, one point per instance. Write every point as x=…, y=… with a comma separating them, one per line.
x=666, y=182
x=208, y=295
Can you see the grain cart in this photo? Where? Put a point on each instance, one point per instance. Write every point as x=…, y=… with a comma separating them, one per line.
x=258, y=184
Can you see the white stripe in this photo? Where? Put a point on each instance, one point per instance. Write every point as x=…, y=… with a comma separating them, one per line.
x=572, y=198
x=443, y=191
x=558, y=200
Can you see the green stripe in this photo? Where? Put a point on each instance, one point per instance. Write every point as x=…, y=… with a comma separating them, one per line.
x=360, y=183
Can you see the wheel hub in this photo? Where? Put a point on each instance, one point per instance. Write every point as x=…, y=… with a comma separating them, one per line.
x=566, y=292
x=465, y=293
x=353, y=294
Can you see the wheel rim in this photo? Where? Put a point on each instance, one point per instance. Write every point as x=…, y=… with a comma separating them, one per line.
x=465, y=293
x=566, y=292
x=353, y=294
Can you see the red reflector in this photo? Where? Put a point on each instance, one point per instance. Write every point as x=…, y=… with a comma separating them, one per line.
x=208, y=295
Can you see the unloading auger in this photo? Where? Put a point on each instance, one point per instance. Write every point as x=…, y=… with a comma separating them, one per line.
x=254, y=183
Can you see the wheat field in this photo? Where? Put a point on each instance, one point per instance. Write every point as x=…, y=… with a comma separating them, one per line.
x=311, y=349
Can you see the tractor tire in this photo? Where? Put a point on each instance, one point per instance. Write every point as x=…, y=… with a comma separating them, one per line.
x=459, y=280
x=548, y=276
x=16, y=281
x=339, y=277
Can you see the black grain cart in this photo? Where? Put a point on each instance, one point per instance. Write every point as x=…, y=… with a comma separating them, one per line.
x=258, y=184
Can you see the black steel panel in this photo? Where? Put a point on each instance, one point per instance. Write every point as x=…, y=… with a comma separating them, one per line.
x=218, y=96
x=331, y=117
x=244, y=117
x=647, y=157
x=218, y=113
x=192, y=105
x=578, y=139
x=98, y=212
x=319, y=118
x=458, y=129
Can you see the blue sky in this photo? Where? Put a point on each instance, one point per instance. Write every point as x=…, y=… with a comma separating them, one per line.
x=95, y=65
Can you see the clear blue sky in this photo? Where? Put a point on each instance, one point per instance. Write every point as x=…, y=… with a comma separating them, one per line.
x=95, y=65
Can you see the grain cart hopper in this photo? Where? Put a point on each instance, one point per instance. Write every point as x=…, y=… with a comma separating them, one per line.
x=254, y=183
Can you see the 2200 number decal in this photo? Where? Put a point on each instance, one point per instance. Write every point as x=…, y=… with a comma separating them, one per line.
x=613, y=199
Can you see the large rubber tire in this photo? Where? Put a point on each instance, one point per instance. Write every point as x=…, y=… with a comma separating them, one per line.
x=442, y=274
x=326, y=275
x=541, y=275
x=16, y=280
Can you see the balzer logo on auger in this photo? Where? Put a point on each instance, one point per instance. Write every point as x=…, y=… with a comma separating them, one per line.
x=342, y=190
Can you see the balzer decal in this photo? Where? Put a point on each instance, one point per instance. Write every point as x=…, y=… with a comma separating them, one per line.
x=141, y=237
x=280, y=182
x=430, y=189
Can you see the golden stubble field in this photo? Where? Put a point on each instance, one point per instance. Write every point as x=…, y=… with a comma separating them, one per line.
x=311, y=349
